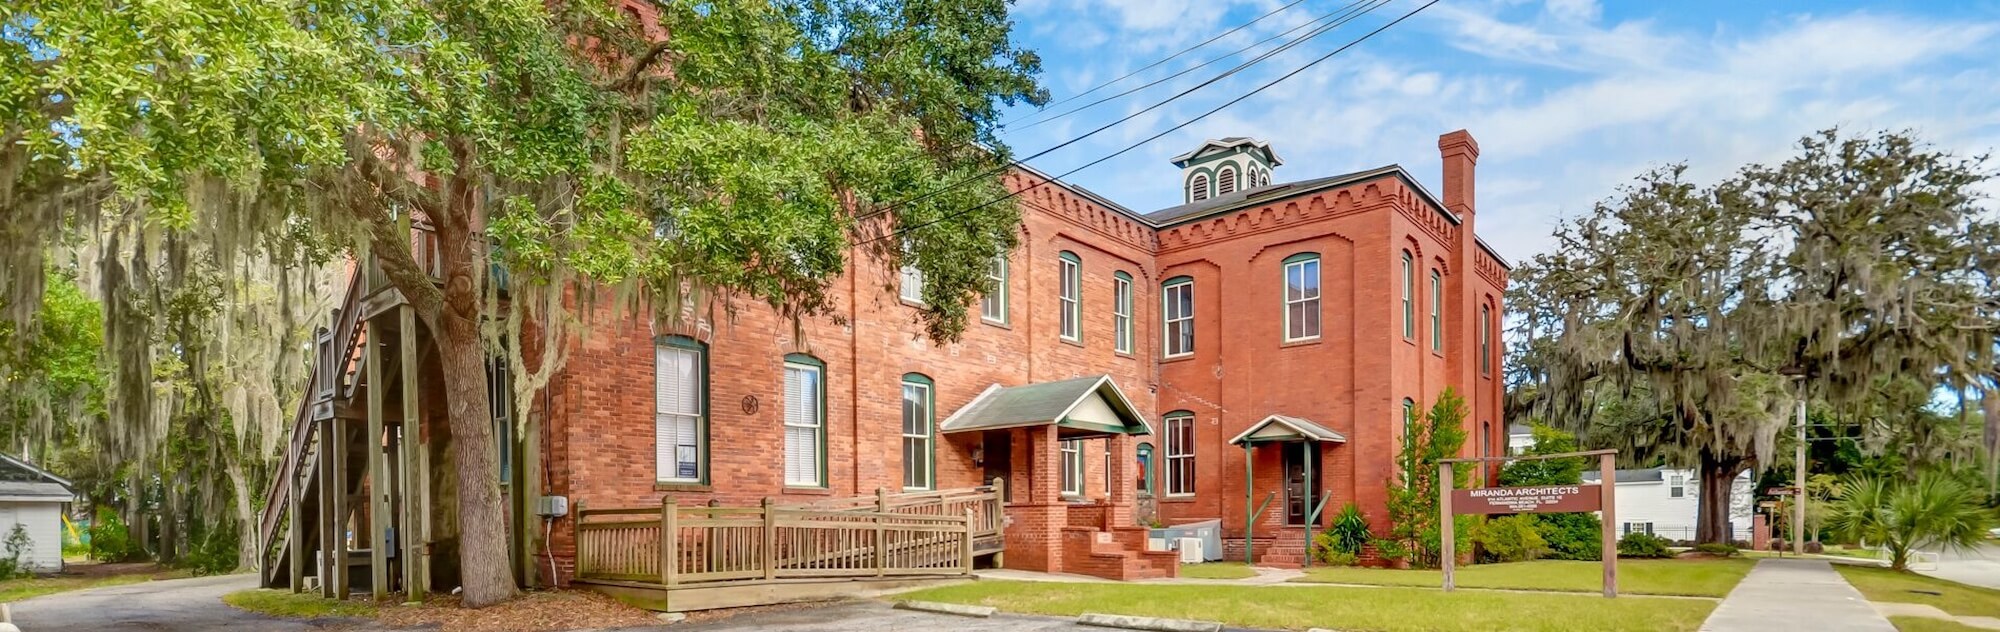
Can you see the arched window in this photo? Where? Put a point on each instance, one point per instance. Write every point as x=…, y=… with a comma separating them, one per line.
x=1409, y=416
x=1177, y=316
x=1069, y=292
x=1437, y=311
x=1409, y=296
x=1121, y=312
x=1485, y=340
x=1180, y=453
x=1145, y=482
x=1302, y=296
x=1198, y=187
x=1225, y=181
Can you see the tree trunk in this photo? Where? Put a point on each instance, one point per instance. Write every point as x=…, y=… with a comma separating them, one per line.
x=249, y=556
x=1718, y=474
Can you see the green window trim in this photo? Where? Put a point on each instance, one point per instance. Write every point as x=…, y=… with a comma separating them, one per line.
x=1207, y=174
x=1168, y=318
x=1147, y=483
x=1069, y=296
x=997, y=296
x=1121, y=312
x=700, y=350
x=1308, y=329
x=1409, y=297
x=1437, y=311
x=930, y=438
x=805, y=360
x=1301, y=257
x=1486, y=340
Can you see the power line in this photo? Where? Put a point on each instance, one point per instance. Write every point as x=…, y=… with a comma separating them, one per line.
x=1009, y=196
x=1350, y=6
x=1156, y=64
x=1315, y=33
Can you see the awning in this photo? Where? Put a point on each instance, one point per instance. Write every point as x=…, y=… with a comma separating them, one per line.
x=1287, y=428
x=1078, y=407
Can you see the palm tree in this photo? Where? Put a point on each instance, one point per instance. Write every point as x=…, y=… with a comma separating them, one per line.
x=1937, y=510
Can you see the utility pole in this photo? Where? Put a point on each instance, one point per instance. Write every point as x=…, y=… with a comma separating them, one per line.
x=1799, y=479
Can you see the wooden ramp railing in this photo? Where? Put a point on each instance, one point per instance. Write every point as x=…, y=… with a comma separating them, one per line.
x=675, y=545
x=986, y=502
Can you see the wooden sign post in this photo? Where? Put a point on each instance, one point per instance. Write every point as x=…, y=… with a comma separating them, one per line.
x=1533, y=499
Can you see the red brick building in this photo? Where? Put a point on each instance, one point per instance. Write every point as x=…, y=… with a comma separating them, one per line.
x=1117, y=360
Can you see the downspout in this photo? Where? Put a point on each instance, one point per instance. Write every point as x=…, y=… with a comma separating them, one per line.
x=854, y=363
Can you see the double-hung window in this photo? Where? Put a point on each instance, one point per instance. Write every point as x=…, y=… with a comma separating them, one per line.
x=1177, y=316
x=1180, y=454
x=680, y=387
x=1121, y=312
x=805, y=421
x=1072, y=468
x=1409, y=297
x=1485, y=340
x=1071, y=297
x=918, y=432
x=1437, y=313
x=911, y=287
x=1301, y=297
x=1676, y=486
x=993, y=306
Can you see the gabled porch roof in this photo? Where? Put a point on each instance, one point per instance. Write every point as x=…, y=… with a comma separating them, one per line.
x=1287, y=428
x=1084, y=406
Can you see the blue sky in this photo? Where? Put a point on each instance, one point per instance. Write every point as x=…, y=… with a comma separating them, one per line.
x=1568, y=98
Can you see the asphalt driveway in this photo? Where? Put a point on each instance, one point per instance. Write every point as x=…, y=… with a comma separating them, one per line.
x=171, y=605
x=1978, y=567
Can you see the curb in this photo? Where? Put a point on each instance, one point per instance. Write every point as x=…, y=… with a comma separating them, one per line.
x=1154, y=624
x=961, y=610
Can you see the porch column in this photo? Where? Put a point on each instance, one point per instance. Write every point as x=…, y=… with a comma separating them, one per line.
x=1037, y=516
x=1123, y=493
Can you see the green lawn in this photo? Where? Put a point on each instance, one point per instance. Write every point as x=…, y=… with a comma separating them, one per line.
x=285, y=603
x=18, y=589
x=1693, y=577
x=1922, y=624
x=1217, y=570
x=1342, y=608
x=1881, y=584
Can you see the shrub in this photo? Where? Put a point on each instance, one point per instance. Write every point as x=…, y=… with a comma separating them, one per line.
x=1716, y=548
x=213, y=554
x=1936, y=510
x=1511, y=539
x=18, y=544
x=1815, y=548
x=1643, y=545
x=1350, y=530
x=1571, y=536
x=110, y=541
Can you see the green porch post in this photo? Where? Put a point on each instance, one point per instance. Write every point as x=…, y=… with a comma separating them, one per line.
x=1249, y=502
x=1306, y=454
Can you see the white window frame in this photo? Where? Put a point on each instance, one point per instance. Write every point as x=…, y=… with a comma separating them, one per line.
x=1121, y=313
x=1168, y=319
x=910, y=287
x=1311, y=303
x=1676, y=486
x=925, y=439
x=1179, y=455
x=1437, y=311
x=1628, y=528
x=816, y=410
x=1226, y=187
x=666, y=459
x=1485, y=340
x=1409, y=297
x=1069, y=295
x=1198, y=188
x=993, y=306
x=1072, y=467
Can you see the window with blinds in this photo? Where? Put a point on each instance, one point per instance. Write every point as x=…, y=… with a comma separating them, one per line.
x=678, y=424
x=805, y=423
x=917, y=425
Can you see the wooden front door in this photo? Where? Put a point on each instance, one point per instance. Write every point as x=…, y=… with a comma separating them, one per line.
x=998, y=459
x=1299, y=492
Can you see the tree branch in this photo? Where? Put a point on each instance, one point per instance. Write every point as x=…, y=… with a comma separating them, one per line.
x=631, y=75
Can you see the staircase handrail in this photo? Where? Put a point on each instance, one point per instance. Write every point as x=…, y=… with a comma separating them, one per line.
x=344, y=336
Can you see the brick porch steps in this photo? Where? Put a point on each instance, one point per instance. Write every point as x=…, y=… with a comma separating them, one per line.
x=1287, y=550
x=1110, y=555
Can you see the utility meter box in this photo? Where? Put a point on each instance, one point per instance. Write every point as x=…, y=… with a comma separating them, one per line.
x=552, y=506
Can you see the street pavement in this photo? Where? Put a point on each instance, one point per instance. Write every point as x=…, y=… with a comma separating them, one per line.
x=1795, y=594
x=170, y=605
x=1978, y=567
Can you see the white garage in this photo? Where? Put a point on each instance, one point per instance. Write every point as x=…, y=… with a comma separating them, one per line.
x=35, y=499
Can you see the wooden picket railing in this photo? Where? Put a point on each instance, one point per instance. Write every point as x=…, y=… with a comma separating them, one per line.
x=675, y=545
x=986, y=502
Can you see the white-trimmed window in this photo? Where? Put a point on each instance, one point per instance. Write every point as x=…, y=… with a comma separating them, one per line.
x=910, y=286
x=1072, y=467
x=1107, y=467
x=993, y=306
x=805, y=421
x=919, y=428
x=1225, y=181
x=1071, y=296
x=1180, y=454
x=1676, y=486
x=1121, y=312
x=1409, y=296
x=1630, y=528
x=1409, y=416
x=1485, y=340
x=1197, y=187
x=1437, y=312
x=679, y=425
x=1301, y=297
x=1177, y=316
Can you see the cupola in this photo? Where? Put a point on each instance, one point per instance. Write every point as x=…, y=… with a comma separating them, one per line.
x=1223, y=166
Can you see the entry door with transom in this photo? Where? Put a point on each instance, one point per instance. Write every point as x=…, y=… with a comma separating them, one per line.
x=1296, y=485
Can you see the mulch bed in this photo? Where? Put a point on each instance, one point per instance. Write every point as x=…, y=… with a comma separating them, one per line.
x=537, y=611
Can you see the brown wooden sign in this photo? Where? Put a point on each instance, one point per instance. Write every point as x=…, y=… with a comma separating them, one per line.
x=1536, y=499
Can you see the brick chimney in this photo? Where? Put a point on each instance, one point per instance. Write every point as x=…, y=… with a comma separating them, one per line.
x=1461, y=155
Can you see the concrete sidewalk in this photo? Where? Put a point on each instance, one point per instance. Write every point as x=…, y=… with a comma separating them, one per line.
x=1795, y=595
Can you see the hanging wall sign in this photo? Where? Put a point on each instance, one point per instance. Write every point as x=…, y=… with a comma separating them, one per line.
x=1537, y=499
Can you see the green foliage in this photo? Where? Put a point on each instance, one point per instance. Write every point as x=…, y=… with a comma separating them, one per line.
x=1936, y=510
x=1340, y=544
x=1548, y=440
x=1511, y=539
x=1571, y=536
x=1415, y=533
x=18, y=544
x=1640, y=544
x=213, y=553
x=111, y=541
x=1718, y=548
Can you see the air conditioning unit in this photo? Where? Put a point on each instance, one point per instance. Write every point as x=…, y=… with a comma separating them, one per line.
x=1190, y=550
x=1156, y=544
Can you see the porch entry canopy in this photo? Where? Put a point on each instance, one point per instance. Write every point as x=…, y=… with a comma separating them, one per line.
x=1277, y=428
x=1078, y=407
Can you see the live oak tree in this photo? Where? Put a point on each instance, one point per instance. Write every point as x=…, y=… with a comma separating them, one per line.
x=1682, y=322
x=719, y=152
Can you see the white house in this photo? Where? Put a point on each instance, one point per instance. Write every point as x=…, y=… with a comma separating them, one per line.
x=1664, y=502
x=33, y=499
x=1520, y=437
